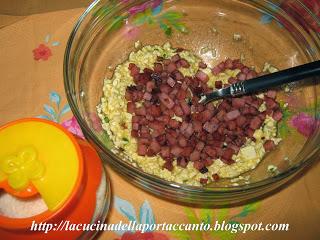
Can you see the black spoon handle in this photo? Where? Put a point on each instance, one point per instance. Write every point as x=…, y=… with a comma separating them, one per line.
x=282, y=77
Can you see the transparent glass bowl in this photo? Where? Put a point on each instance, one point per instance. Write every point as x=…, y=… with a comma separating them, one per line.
x=282, y=33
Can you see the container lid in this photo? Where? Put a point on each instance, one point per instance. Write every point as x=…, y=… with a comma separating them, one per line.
x=38, y=157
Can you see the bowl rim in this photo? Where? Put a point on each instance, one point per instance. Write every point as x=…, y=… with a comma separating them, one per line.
x=155, y=179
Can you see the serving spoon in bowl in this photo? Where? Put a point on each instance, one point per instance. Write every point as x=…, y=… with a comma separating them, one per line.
x=264, y=82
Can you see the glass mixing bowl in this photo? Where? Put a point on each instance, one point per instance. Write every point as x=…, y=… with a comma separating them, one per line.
x=284, y=33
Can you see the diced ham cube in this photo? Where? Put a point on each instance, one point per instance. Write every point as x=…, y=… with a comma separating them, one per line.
x=131, y=107
x=136, y=96
x=161, y=139
x=253, y=111
x=181, y=95
x=173, y=123
x=277, y=115
x=197, y=126
x=222, y=66
x=195, y=156
x=134, y=133
x=228, y=153
x=135, y=126
x=150, y=86
x=210, y=151
x=172, y=141
x=142, y=149
x=184, y=63
x=154, y=111
x=269, y=112
x=216, y=70
x=202, y=76
x=189, y=131
x=131, y=65
x=198, y=165
x=206, y=115
x=171, y=82
x=140, y=111
x=165, y=119
x=200, y=146
x=165, y=88
x=227, y=161
x=251, y=74
x=182, y=141
x=218, y=136
x=182, y=162
x=136, y=119
x=142, y=140
x=166, y=100
x=215, y=177
x=249, y=132
x=165, y=152
x=210, y=127
x=128, y=95
x=228, y=64
x=271, y=94
x=143, y=78
x=214, y=120
x=216, y=143
x=237, y=64
x=232, y=125
x=156, y=125
x=187, y=151
x=134, y=70
x=175, y=58
x=155, y=133
x=234, y=147
x=145, y=135
x=263, y=115
x=255, y=123
x=238, y=102
x=245, y=70
x=168, y=165
x=176, y=151
x=158, y=68
x=271, y=103
x=269, y=145
x=178, y=75
x=232, y=80
x=178, y=110
x=203, y=180
x=171, y=67
x=184, y=126
x=241, y=76
x=202, y=65
x=147, y=96
x=208, y=162
x=220, y=115
x=155, y=146
x=185, y=107
x=166, y=62
x=224, y=105
x=232, y=115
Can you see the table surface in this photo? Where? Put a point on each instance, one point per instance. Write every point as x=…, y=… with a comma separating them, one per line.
x=29, y=88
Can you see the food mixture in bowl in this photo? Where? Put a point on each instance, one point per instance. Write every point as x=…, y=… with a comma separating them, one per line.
x=151, y=111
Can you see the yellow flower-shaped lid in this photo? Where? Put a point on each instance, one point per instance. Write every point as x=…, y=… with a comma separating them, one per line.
x=21, y=168
x=36, y=156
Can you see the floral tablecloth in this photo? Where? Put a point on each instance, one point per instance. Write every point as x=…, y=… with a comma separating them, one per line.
x=32, y=49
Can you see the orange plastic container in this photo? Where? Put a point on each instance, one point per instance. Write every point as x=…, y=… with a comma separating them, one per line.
x=65, y=170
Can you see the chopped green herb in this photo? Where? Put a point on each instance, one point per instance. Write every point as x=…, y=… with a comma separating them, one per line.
x=106, y=119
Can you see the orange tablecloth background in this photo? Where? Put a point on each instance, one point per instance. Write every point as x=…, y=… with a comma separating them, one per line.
x=25, y=87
